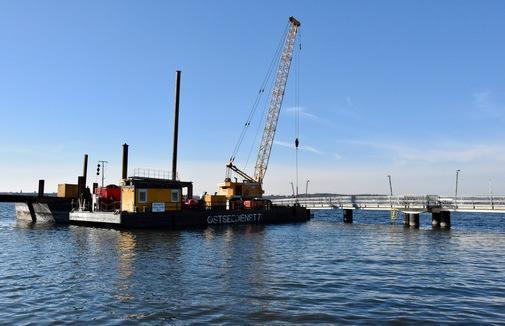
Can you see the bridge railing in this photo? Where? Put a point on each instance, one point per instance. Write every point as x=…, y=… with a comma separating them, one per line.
x=381, y=202
x=475, y=202
x=361, y=201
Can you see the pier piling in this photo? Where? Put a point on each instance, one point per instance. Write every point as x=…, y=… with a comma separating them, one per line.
x=348, y=216
x=406, y=221
x=435, y=219
x=414, y=220
x=445, y=219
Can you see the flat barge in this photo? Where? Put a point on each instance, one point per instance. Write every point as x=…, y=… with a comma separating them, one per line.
x=48, y=209
x=167, y=203
x=187, y=219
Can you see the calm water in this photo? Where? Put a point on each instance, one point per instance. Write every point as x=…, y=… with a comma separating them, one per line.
x=321, y=271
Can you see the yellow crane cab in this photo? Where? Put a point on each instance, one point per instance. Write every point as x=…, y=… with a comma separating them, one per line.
x=244, y=189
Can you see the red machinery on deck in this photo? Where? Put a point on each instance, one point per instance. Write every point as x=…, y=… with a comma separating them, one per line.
x=109, y=193
x=109, y=197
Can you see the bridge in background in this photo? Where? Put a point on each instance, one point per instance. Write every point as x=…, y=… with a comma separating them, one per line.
x=411, y=206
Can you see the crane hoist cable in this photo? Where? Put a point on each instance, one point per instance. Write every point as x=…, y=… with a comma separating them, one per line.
x=255, y=141
x=261, y=91
x=283, y=64
x=297, y=115
x=297, y=107
x=262, y=120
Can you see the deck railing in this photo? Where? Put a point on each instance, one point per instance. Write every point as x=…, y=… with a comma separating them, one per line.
x=153, y=174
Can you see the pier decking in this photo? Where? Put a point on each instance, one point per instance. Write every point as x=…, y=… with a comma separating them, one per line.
x=428, y=203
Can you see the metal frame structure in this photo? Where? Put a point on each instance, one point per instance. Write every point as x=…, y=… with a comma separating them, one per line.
x=427, y=203
x=276, y=102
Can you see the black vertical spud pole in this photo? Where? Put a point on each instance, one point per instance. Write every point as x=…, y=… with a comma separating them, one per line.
x=124, y=170
x=85, y=169
x=176, y=123
x=41, y=188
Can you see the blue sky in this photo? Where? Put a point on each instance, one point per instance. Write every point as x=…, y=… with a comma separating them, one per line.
x=413, y=89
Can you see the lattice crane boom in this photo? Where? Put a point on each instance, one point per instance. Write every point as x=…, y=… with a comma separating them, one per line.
x=275, y=103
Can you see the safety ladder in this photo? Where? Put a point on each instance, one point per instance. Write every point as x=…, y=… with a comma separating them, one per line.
x=394, y=214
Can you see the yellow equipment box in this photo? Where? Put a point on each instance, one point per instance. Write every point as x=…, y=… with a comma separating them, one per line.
x=66, y=190
x=214, y=200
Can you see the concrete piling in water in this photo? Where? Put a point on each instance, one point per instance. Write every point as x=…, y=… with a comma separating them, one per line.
x=406, y=220
x=445, y=219
x=348, y=216
x=414, y=220
x=411, y=219
x=435, y=219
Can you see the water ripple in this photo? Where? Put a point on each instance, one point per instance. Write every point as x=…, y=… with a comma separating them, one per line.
x=319, y=272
